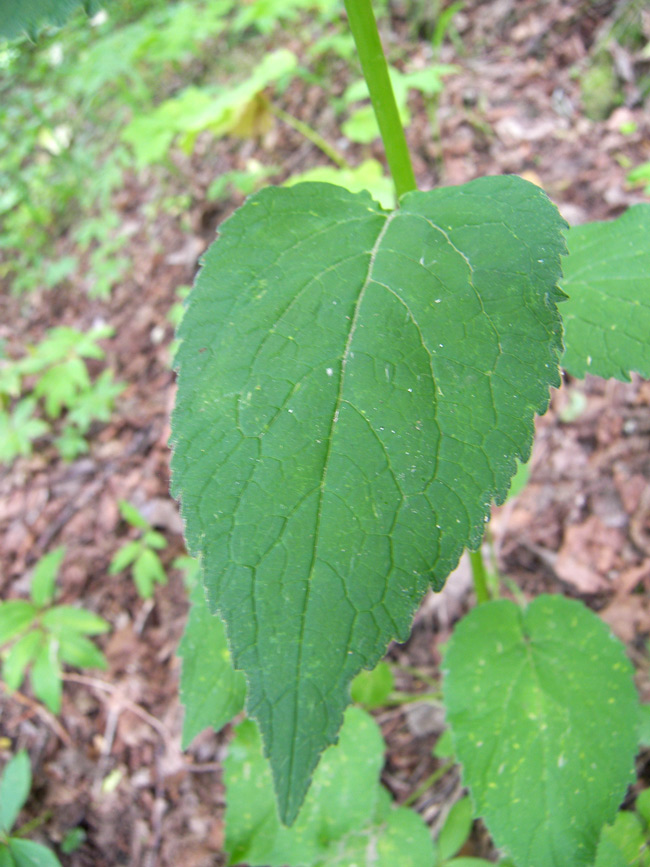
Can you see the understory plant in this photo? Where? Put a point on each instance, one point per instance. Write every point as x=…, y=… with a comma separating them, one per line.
x=356, y=386
x=15, y=785
x=53, y=377
x=140, y=555
x=38, y=636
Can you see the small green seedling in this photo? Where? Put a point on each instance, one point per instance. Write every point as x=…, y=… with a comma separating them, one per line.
x=15, y=784
x=42, y=635
x=640, y=177
x=140, y=554
x=54, y=373
x=19, y=429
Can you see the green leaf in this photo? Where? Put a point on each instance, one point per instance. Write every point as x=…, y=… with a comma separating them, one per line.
x=642, y=805
x=29, y=854
x=211, y=690
x=153, y=539
x=19, y=657
x=44, y=577
x=644, y=725
x=125, y=556
x=353, y=393
x=367, y=176
x=519, y=480
x=444, y=748
x=61, y=385
x=147, y=571
x=346, y=819
x=27, y=16
x=622, y=842
x=132, y=516
x=65, y=618
x=372, y=688
x=46, y=675
x=16, y=615
x=607, y=279
x=6, y=858
x=456, y=830
x=79, y=651
x=540, y=704
x=15, y=783
x=193, y=110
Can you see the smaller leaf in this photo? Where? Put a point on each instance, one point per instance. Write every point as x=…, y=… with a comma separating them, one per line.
x=15, y=783
x=60, y=385
x=16, y=615
x=347, y=817
x=147, y=570
x=644, y=725
x=132, y=516
x=211, y=690
x=456, y=830
x=67, y=617
x=642, y=805
x=519, y=480
x=152, y=539
x=6, y=858
x=18, y=658
x=29, y=854
x=44, y=577
x=621, y=842
x=78, y=651
x=191, y=568
x=547, y=755
x=372, y=688
x=367, y=176
x=607, y=278
x=46, y=675
x=73, y=839
x=444, y=748
x=124, y=557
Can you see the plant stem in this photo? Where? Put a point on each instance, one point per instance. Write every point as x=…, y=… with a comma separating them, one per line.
x=435, y=776
x=34, y=823
x=397, y=698
x=375, y=71
x=310, y=134
x=479, y=576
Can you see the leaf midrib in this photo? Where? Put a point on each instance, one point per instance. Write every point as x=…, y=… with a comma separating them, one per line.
x=319, y=511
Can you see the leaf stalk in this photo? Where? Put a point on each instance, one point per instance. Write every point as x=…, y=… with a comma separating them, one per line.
x=375, y=71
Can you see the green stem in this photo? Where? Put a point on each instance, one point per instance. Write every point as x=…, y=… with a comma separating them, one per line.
x=375, y=71
x=480, y=577
x=310, y=134
x=435, y=776
x=34, y=823
x=415, y=672
x=397, y=698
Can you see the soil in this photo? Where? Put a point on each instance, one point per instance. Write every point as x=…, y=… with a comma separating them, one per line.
x=111, y=762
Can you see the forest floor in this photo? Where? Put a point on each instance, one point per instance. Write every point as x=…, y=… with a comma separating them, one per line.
x=111, y=763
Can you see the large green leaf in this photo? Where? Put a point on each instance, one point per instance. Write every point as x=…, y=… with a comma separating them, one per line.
x=543, y=711
x=212, y=692
x=347, y=818
x=607, y=278
x=354, y=389
x=27, y=16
